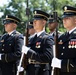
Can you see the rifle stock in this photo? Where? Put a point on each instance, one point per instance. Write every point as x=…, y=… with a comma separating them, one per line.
x=55, y=71
x=24, y=60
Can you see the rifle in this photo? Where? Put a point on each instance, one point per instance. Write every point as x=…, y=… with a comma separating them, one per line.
x=55, y=71
x=24, y=61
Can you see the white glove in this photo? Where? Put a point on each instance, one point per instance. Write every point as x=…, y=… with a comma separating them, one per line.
x=25, y=49
x=20, y=69
x=0, y=56
x=56, y=63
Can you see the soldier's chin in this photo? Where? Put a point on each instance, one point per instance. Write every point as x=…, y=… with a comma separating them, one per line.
x=35, y=28
x=64, y=26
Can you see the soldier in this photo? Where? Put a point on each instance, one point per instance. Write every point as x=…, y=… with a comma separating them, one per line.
x=66, y=60
x=10, y=46
x=52, y=25
x=39, y=52
x=31, y=30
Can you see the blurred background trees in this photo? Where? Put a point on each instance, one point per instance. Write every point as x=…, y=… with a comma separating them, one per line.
x=18, y=8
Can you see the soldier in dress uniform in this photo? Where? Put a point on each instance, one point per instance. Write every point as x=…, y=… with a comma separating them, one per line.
x=39, y=50
x=66, y=60
x=10, y=46
x=52, y=25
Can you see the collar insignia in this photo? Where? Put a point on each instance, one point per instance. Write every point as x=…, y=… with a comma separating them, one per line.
x=40, y=36
x=38, y=44
x=60, y=42
x=74, y=32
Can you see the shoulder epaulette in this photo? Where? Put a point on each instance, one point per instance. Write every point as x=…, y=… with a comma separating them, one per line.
x=74, y=32
x=47, y=34
x=18, y=32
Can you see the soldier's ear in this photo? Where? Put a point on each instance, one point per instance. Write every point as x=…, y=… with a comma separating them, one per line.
x=75, y=19
x=15, y=25
x=44, y=22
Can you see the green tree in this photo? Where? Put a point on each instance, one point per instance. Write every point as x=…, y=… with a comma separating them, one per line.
x=18, y=8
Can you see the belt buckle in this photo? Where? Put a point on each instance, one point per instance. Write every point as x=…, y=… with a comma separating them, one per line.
x=31, y=61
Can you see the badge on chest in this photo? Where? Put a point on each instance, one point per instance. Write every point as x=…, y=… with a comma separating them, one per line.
x=72, y=43
x=60, y=42
x=38, y=44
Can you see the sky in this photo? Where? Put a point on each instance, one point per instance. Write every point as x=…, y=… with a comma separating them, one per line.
x=2, y=2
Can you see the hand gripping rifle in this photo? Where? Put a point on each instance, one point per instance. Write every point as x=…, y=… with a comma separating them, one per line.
x=55, y=71
x=23, y=61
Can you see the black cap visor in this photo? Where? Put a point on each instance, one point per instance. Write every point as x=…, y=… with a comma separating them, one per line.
x=68, y=14
x=65, y=16
x=8, y=21
x=37, y=17
x=51, y=20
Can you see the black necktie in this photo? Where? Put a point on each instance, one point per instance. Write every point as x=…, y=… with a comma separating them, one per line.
x=53, y=35
x=7, y=35
x=67, y=34
x=35, y=37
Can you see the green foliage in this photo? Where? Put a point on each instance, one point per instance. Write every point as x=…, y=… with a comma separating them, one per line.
x=18, y=8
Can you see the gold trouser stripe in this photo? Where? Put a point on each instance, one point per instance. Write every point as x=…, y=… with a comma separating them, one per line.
x=68, y=65
x=6, y=57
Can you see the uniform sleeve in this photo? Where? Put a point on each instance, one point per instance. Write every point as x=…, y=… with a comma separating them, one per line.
x=45, y=55
x=16, y=54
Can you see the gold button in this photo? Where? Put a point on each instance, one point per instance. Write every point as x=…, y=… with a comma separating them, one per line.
x=3, y=44
x=61, y=53
x=2, y=49
x=63, y=47
x=9, y=44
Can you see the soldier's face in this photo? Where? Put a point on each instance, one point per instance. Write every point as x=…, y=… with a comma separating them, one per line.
x=31, y=31
x=52, y=25
x=38, y=24
x=9, y=27
x=69, y=23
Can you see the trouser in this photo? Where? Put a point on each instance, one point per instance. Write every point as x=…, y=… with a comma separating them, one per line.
x=67, y=73
x=37, y=70
x=0, y=72
x=8, y=69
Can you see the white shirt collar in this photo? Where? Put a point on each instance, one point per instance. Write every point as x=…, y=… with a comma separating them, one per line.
x=39, y=33
x=72, y=30
x=52, y=33
x=32, y=35
x=11, y=32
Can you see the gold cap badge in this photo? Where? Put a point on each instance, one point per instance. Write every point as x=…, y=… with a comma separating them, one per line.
x=35, y=12
x=6, y=16
x=65, y=8
x=29, y=23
